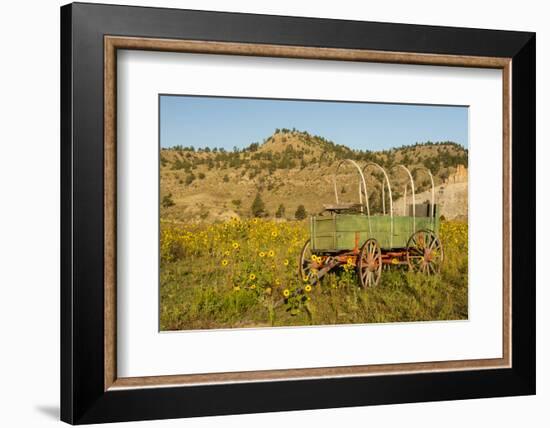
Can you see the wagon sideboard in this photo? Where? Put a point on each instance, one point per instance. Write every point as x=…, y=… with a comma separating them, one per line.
x=340, y=232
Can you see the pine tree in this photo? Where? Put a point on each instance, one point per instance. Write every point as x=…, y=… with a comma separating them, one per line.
x=300, y=213
x=280, y=211
x=258, y=207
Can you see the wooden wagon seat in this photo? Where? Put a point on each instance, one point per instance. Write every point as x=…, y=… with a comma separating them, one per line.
x=342, y=206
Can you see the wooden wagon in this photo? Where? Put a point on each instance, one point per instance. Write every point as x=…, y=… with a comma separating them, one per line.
x=347, y=234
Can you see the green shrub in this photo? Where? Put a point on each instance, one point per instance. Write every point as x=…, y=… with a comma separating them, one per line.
x=189, y=178
x=167, y=201
x=300, y=213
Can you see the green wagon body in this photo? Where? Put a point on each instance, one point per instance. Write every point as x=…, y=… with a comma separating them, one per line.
x=345, y=231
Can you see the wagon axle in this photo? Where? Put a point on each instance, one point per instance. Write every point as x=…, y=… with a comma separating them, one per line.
x=388, y=258
x=424, y=256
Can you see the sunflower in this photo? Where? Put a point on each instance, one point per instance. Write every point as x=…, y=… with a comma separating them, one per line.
x=235, y=245
x=261, y=254
x=252, y=277
x=274, y=233
x=286, y=293
x=307, y=288
x=224, y=262
x=271, y=253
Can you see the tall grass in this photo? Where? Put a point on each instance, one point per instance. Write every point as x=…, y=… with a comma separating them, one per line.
x=244, y=274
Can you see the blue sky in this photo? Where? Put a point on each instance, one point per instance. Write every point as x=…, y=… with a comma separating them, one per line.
x=237, y=122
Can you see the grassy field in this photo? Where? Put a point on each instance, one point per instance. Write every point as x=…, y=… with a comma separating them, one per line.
x=243, y=273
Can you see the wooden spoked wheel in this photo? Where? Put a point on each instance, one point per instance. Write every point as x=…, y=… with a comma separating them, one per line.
x=369, y=265
x=305, y=264
x=424, y=252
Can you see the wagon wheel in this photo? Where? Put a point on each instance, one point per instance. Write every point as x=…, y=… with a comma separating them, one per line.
x=424, y=252
x=369, y=266
x=305, y=262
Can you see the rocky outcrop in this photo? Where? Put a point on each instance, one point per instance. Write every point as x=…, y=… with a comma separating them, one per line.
x=459, y=176
x=451, y=196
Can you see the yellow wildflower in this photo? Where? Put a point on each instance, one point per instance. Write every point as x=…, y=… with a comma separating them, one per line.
x=224, y=262
x=226, y=253
x=253, y=287
x=307, y=288
x=277, y=281
x=286, y=293
x=285, y=262
x=271, y=253
x=261, y=254
x=235, y=245
x=252, y=277
x=274, y=233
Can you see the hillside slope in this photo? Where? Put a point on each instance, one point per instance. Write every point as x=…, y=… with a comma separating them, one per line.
x=291, y=168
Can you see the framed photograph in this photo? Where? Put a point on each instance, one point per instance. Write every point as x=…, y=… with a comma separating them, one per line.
x=265, y=213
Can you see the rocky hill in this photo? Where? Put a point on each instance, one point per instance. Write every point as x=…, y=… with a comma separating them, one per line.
x=292, y=168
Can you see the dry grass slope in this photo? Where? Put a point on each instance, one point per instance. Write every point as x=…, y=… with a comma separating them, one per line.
x=292, y=168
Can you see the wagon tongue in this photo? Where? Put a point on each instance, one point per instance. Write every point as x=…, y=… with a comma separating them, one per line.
x=328, y=266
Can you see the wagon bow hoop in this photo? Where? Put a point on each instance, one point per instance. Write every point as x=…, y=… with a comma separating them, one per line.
x=404, y=168
x=362, y=183
x=377, y=166
x=387, y=180
x=432, y=205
